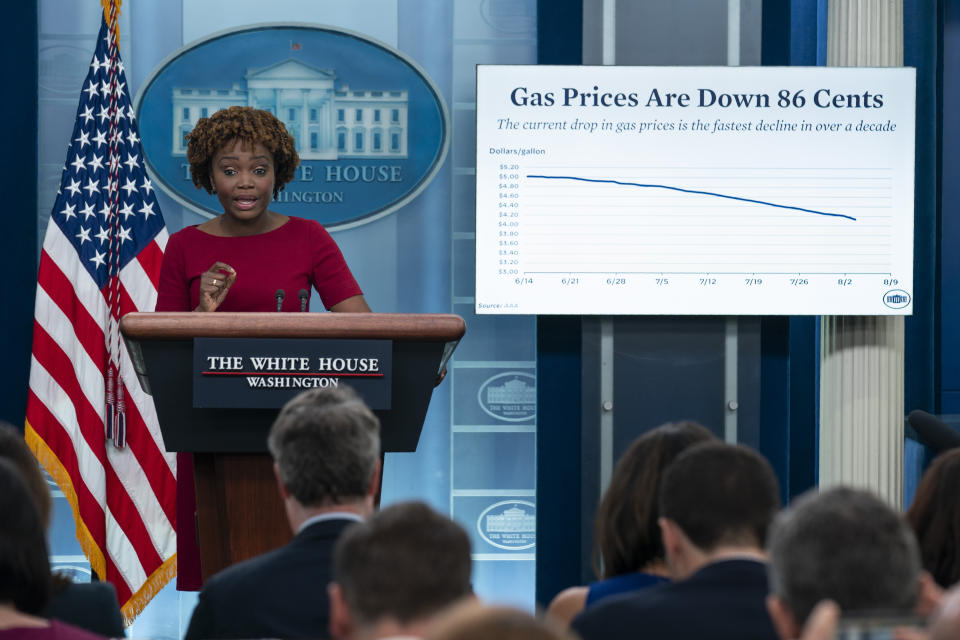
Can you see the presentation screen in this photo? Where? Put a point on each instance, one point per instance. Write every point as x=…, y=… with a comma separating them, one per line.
x=694, y=190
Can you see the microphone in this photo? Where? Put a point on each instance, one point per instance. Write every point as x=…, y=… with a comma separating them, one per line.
x=933, y=431
x=279, y=296
x=303, y=299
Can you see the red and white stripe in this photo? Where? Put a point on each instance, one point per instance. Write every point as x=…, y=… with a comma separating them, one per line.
x=124, y=498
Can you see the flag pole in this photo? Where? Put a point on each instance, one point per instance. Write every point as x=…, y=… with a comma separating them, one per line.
x=116, y=429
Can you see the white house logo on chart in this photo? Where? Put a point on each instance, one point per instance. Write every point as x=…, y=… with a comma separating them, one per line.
x=896, y=298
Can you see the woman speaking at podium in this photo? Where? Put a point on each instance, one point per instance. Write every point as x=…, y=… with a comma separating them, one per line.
x=246, y=259
x=242, y=259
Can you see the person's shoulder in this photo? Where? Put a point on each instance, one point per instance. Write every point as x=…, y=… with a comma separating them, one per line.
x=616, y=616
x=242, y=574
x=299, y=224
x=325, y=527
x=89, y=605
x=187, y=232
x=306, y=227
x=567, y=604
x=624, y=583
x=611, y=609
x=64, y=631
x=96, y=589
x=731, y=571
x=186, y=236
x=90, y=592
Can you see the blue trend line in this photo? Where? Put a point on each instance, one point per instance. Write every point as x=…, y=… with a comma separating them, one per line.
x=702, y=193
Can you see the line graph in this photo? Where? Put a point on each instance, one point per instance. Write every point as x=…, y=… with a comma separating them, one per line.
x=621, y=218
x=691, y=191
x=588, y=219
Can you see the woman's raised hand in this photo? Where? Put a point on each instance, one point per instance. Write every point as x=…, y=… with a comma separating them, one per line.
x=215, y=282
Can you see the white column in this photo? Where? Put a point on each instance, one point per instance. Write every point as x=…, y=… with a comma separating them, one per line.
x=326, y=126
x=606, y=322
x=731, y=342
x=305, y=123
x=861, y=357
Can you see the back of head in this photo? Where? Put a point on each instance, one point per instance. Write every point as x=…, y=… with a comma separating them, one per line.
x=405, y=564
x=474, y=621
x=326, y=445
x=720, y=495
x=934, y=516
x=626, y=534
x=846, y=545
x=14, y=448
x=24, y=569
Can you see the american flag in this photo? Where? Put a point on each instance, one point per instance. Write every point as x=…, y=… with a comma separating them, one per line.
x=88, y=421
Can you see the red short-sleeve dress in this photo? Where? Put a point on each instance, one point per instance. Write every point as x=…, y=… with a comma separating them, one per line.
x=300, y=254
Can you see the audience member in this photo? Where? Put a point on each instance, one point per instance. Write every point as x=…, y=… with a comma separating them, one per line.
x=91, y=606
x=716, y=503
x=627, y=551
x=396, y=571
x=935, y=518
x=475, y=621
x=843, y=545
x=25, y=580
x=325, y=445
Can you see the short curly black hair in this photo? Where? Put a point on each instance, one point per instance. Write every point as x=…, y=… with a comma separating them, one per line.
x=252, y=126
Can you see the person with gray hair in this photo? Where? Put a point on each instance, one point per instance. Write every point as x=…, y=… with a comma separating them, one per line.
x=843, y=545
x=325, y=445
x=395, y=572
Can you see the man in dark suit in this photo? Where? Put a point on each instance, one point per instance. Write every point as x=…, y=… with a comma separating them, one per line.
x=395, y=572
x=326, y=451
x=844, y=545
x=716, y=503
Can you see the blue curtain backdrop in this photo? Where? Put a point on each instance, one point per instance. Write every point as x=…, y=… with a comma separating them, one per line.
x=18, y=259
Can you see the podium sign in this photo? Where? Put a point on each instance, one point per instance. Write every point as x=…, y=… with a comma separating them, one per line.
x=416, y=348
x=264, y=373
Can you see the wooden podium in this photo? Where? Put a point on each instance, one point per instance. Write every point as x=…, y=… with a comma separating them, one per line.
x=239, y=511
